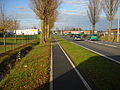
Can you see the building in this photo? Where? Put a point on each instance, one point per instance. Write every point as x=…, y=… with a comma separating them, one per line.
x=115, y=31
x=27, y=32
x=71, y=32
x=87, y=31
x=77, y=32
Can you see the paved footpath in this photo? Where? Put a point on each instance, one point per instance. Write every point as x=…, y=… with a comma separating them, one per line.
x=64, y=76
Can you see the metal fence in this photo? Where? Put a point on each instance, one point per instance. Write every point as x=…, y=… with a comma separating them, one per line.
x=10, y=42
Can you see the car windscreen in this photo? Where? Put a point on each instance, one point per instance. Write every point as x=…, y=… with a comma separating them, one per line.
x=94, y=34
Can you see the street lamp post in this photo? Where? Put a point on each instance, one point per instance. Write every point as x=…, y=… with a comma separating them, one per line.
x=118, y=32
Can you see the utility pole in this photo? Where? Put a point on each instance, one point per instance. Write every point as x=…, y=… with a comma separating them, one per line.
x=118, y=32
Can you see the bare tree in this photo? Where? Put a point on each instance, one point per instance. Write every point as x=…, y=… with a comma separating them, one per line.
x=2, y=15
x=39, y=7
x=6, y=23
x=50, y=23
x=52, y=14
x=3, y=20
x=94, y=9
x=13, y=26
x=44, y=9
x=110, y=8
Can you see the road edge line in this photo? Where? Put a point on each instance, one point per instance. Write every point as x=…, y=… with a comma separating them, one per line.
x=78, y=73
x=97, y=53
x=51, y=69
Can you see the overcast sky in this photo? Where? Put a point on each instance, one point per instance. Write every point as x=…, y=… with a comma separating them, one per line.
x=72, y=13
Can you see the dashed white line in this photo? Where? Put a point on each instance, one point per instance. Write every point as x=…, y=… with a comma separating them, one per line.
x=103, y=44
x=78, y=73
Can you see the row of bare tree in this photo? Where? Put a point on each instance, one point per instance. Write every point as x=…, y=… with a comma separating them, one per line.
x=110, y=8
x=46, y=11
x=6, y=23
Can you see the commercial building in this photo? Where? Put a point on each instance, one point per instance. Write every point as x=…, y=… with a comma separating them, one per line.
x=27, y=32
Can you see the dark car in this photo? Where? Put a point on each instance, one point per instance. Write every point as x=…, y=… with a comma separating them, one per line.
x=77, y=37
x=71, y=35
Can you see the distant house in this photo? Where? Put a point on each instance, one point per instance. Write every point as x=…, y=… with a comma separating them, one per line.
x=87, y=31
x=115, y=31
x=71, y=32
x=77, y=32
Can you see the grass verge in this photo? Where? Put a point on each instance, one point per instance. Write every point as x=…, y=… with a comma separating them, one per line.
x=99, y=72
x=32, y=72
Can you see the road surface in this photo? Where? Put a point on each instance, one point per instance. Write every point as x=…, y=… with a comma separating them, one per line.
x=111, y=50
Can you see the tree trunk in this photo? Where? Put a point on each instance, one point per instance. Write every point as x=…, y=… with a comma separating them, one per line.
x=45, y=29
x=42, y=34
x=93, y=29
x=109, y=32
x=118, y=31
x=48, y=31
x=15, y=39
x=110, y=20
x=5, y=41
x=118, y=35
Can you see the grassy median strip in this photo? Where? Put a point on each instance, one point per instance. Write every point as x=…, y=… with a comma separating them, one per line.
x=32, y=72
x=99, y=72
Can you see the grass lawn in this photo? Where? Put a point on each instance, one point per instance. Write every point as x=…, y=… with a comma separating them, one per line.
x=32, y=72
x=10, y=41
x=10, y=44
x=99, y=72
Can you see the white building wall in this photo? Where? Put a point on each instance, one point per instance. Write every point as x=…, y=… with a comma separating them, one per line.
x=27, y=32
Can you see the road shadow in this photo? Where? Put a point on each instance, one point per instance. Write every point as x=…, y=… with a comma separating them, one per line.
x=100, y=74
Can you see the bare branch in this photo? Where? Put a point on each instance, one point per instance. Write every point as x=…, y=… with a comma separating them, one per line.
x=110, y=8
x=45, y=10
x=94, y=9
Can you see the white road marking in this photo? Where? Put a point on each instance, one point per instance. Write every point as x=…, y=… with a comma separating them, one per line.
x=97, y=53
x=103, y=44
x=51, y=69
x=78, y=73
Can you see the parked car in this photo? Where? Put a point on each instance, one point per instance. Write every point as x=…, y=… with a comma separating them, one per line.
x=77, y=37
x=93, y=37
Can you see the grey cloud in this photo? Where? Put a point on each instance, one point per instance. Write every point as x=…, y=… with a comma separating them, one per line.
x=19, y=7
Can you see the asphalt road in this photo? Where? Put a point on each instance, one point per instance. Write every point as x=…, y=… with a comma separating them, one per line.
x=108, y=49
x=64, y=76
